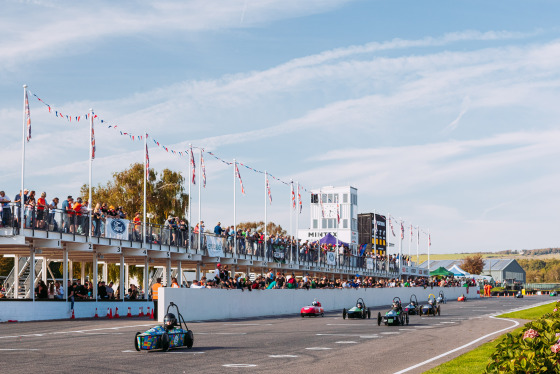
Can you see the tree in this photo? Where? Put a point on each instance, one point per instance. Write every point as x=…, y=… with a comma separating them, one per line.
x=271, y=227
x=165, y=194
x=473, y=264
x=6, y=265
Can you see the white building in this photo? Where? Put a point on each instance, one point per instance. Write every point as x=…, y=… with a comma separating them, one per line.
x=329, y=205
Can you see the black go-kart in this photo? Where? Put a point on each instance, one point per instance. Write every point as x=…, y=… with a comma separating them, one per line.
x=441, y=299
x=358, y=311
x=172, y=334
x=394, y=317
x=431, y=308
x=519, y=295
x=413, y=308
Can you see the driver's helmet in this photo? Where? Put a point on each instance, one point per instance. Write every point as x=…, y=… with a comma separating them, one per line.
x=359, y=305
x=169, y=321
x=315, y=303
x=395, y=305
x=431, y=301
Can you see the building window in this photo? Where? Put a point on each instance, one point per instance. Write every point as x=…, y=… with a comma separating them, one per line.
x=344, y=223
x=335, y=197
x=345, y=198
x=314, y=198
x=324, y=197
x=324, y=223
x=354, y=224
x=330, y=223
x=315, y=223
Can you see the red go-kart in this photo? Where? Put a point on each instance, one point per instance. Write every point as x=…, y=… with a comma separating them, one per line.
x=315, y=309
x=462, y=298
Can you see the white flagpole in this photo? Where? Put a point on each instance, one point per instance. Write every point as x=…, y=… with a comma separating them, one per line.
x=297, y=223
x=400, y=243
x=144, y=231
x=291, y=208
x=22, y=198
x=190, y=180
x=418, y=246
x=234, y=221
x=429, y=252
x=90, y=208
x=265, y=207
x=199, y=201
x=410, y=241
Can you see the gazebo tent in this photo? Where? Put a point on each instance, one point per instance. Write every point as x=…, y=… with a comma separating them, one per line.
x=441, y=271
x=458, y=271
x=329, y=239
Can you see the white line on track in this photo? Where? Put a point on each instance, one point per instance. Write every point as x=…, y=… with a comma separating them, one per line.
x=18, y=349
x=515, y=324
x=346, y=342
x=318, y=348
x=407, y=329
x=390, y=333
x=74, y=331
x=239, y=365
x=370, y=336
x=360, y=335
x=282, y=356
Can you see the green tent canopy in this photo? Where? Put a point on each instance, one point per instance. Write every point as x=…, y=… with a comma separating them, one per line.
x=441, y=271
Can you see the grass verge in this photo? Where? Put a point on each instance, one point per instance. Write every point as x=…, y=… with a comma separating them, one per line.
x=475, y=361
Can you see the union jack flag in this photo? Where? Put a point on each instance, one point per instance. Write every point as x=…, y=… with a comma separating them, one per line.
x=300, y=203
x=193, y=167
x=411, y=233
x=203, y=169
x=268, y=190
x=337, y=213
x=92, y=141
x=402, y=231
x=147, y=162
x=27, y=117
x=429, y=240
x=375, y=225
x=321, y=202
x=240, y=181
x=391, y=224
x=293, y=195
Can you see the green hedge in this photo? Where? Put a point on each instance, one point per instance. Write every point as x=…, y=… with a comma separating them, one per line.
x=533, y=349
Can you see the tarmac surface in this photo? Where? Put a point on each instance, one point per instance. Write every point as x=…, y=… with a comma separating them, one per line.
x=289, y=344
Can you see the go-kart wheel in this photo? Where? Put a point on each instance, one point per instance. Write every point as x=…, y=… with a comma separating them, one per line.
x=407, y=319
x=379, y=319
x=322, y=314
x=420, y=312
x=402, y=320
x=189, y=339
x=165, y=342
x=438, y=310
x=344, y=313
x=368, y=314
x=136, y=341
x=302, y=315
x=363, y=314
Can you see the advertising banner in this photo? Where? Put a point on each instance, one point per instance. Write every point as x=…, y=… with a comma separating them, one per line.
x=116, y=228
x=215, y=246
x=331, y=258
x=369, y=263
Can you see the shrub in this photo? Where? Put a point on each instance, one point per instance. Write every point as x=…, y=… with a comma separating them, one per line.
x=535, y=349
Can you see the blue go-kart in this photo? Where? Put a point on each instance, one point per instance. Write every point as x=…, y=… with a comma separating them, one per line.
x=173, y=334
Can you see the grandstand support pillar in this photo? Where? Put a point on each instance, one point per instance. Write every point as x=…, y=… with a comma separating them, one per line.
x=44, y=265
x=146, y=274
x=180, y=273
x=126, y=276
x=168, y=272
x=104, y=272
x=83, y=271
x=197, y=276
x=248, y=271
x=233, y=268
x=65, y=272
x=121, y=278
x=71, y=270
x=31, y=275
x=15, y=287
x=95, y=279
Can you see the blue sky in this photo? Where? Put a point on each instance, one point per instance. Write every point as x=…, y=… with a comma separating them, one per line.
x=442, y=113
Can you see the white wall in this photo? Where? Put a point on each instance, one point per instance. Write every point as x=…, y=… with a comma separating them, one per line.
x=208, y=304
x=47, y=310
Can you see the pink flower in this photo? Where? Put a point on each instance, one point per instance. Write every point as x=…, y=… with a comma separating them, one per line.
x=530, y=334
x=555, y=310
x=555, y=348
x=558, y=334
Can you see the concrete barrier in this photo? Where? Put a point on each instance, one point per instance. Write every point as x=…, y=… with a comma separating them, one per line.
x=47, y=310
x=208, y=304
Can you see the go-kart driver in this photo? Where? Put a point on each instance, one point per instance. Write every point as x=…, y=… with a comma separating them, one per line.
x=169, y=321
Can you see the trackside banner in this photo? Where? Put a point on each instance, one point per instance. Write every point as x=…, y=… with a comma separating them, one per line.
x=116, y=228
x=214, y=245
x=369, y=263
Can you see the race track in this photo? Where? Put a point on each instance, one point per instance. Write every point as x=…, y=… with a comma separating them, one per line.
x=267, y=345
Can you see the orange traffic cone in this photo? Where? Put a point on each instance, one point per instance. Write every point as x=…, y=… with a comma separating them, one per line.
x=129, y=314
x=72, y=317
x=109, y=313
x=95, y=316
x=152, y=316
x=141, y=312
x=117, y=312
x=148, y=314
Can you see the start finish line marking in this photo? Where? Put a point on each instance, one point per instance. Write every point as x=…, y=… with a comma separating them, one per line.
x=239, y=365
x=282, y=356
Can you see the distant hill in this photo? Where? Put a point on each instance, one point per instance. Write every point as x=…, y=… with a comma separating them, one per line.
x=540, y=254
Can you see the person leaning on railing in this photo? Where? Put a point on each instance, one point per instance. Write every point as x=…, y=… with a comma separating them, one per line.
x=6, y=209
